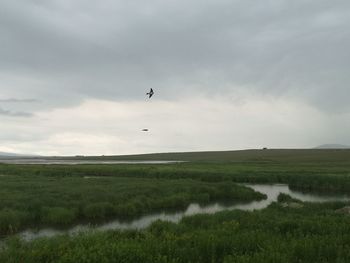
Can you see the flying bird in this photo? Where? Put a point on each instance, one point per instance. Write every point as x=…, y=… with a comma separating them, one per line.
x=145, y=130
x=150, y=93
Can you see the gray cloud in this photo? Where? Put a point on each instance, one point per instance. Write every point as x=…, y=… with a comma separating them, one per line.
x=63, y=53
x=116, y=50
x=14, y=100
x=15, y=114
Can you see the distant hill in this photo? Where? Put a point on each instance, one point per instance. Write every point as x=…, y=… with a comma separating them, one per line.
x=258, y=155
x=333, y=146
x=267, y=155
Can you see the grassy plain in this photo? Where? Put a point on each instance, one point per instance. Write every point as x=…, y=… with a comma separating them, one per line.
x=64, y=194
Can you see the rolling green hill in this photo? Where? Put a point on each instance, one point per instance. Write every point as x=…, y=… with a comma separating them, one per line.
x=269, y=155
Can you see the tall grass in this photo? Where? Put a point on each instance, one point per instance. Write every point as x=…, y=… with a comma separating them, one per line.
x=313, y=233
x=28, y=200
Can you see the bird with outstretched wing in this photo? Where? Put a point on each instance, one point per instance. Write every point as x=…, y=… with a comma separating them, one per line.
x=150, y=93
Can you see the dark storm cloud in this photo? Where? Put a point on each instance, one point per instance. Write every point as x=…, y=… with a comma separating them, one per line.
x=63, y=52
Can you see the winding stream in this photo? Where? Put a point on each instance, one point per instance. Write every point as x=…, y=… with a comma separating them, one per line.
x=272, y=192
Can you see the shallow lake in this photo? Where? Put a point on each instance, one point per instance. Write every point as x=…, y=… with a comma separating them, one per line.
x=75, y=162
x=272, y=192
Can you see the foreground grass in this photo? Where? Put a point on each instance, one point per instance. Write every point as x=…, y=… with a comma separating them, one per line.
x=313, y=233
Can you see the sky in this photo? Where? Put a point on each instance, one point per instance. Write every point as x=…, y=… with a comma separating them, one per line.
x=227, y=74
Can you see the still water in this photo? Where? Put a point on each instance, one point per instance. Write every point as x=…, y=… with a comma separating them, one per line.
x=271, y=191
x=75, y=162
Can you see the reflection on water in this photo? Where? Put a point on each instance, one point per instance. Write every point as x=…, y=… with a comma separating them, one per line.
x=271, y=191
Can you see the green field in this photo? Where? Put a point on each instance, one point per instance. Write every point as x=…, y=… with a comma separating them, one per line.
x=268, y=155
x=29, y=200
x=62, y=195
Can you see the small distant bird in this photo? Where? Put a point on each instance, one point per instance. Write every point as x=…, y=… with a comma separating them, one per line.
x=150, y=93
x=145, y=130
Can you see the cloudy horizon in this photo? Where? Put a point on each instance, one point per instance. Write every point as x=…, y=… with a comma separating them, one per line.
x=227, y=74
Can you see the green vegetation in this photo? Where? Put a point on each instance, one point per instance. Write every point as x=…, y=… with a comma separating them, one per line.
x=28, y=200
x=269, y=155
x=314, y=233
x=288, y=231
x=319, y=170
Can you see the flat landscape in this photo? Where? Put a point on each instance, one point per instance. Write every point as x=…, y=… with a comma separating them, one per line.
x=242, y=215
x=174, y=131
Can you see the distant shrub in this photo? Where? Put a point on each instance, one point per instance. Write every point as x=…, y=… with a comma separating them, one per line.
x=58, y=215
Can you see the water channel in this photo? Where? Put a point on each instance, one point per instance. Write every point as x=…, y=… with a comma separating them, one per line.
x=271, y=191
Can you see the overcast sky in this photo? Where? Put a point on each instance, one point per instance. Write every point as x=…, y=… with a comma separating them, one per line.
x=227, y=74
